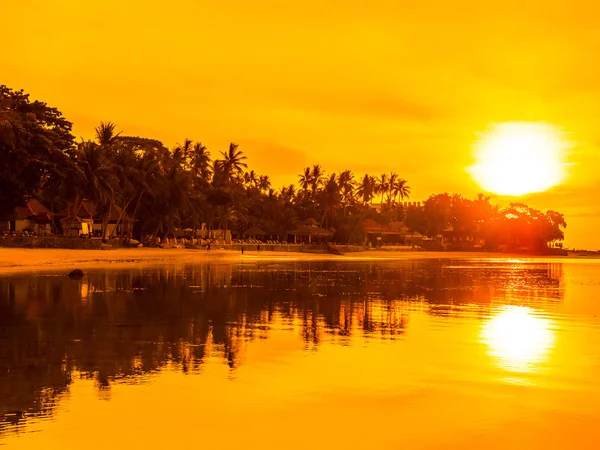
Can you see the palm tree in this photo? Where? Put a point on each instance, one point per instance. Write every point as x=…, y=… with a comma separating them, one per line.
x=251, y=178
x=184, y=151
x=200, y=162
x=226, y=215
x=366, y=189
x=330, y=198
x=233, y=160
x=347, y=185
x=317, y=178
x=147, y=174
x=390, y=187
x=401, y=188
x=106, y=134
x=288, y=193
x=382, y=185
x=305, y=179
x=99, y=176
x=264, y=183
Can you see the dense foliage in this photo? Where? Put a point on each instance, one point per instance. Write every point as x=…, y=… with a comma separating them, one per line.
x=35, y=141
x=166, y=190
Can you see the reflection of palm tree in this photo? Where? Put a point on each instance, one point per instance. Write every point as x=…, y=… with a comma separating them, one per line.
x=129, y=323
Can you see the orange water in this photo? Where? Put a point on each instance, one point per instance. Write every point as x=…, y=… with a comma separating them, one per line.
x=412, y=354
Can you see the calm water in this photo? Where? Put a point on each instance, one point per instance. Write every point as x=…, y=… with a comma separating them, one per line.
x=413, y=354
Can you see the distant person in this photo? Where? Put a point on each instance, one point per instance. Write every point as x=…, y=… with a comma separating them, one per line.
x=242, y=249
x=258, y=248
x=208, y=247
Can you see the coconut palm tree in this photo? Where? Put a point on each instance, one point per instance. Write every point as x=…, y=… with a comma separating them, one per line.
x=317, y=178
x=106, y=133
x=401, y=189
x=347, y=185
x=382, y=186
x=200, y=162
x=100, y=178
x=251, y=179
x=366, y=189
x=305, y=179
x=233, y=160
x=288, y=193
x=264, y=183
x=184, y=152
x=390, y=187
x=330, y=198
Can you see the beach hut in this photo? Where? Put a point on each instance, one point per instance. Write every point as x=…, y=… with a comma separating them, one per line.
x=255, y=233
x=310, y=232
x=75, y=226
x=33, y=216
x=118, y=221
x=393, y=233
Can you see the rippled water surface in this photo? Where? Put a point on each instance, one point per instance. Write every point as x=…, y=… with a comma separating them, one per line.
x=308, y=355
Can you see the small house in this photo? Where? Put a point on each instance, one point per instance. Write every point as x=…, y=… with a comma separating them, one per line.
x=32, y=217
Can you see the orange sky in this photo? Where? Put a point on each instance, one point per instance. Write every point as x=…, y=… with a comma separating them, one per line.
x=371, y=86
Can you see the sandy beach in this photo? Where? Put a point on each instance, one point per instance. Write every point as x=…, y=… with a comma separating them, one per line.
x=42, y=260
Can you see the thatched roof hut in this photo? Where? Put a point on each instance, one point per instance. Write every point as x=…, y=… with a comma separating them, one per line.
x=254, y=232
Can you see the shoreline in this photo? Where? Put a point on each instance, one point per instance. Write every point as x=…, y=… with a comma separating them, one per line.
x=14, y=260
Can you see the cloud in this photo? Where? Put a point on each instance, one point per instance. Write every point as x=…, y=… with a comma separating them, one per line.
x=272, y=158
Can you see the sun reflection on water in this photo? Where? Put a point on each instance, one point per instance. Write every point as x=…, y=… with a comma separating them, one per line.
x=518, y=339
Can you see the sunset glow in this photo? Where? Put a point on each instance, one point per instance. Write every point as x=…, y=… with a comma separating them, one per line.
x=519, y=158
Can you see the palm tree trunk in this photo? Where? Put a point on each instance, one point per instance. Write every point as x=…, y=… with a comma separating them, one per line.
x=106, y=221
x=79, y=203
x=135, y=210
x=121, y=217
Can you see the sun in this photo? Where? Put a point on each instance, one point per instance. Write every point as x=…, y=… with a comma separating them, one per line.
x=518, y=158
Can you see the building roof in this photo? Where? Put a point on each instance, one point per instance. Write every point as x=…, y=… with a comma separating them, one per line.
x=310, y=231
x=395, y=228
x=84, y=208
x=32, y=209
x=73, y=219
x=254, y=231
x=87, y=210
x=311, y=222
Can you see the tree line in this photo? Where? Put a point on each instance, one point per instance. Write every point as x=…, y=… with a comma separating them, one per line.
x=168, y=189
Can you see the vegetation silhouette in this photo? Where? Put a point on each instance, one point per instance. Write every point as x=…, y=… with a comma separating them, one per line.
x=164, y=190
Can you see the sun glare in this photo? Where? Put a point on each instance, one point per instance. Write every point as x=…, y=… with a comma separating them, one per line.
x=517, y=338
x=518, y=158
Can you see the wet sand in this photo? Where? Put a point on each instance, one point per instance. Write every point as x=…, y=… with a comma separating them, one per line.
x=38, y=260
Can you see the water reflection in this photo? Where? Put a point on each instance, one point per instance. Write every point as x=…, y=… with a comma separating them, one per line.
x=124, y=326
x=519, y=339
